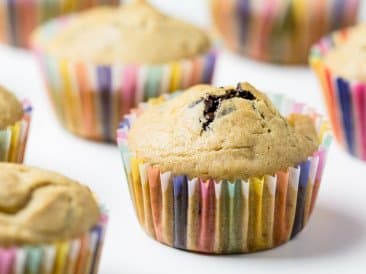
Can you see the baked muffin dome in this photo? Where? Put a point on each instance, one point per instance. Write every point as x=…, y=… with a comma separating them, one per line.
x=38, y=206
x=349, y=58
x=223, y=133
x=135, y=33
x=11, y=110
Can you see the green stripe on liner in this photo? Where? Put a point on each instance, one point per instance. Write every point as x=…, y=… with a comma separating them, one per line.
x=34, y=260
x=153, y=82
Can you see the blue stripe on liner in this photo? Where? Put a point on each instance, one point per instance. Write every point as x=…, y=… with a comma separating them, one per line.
x=345, y=102
x=209, y=68
x=243, y=19
x=301, y=197
x=98, y=249
x=180, y=190
x=104, y=77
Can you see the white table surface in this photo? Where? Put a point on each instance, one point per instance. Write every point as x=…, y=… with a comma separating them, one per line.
x=333, y=242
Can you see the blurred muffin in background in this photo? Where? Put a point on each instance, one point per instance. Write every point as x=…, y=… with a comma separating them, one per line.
x=18, y=18
x=339, y=61
x=14, y=126
x=48, y=223
x=100, y=63
x=279, y=31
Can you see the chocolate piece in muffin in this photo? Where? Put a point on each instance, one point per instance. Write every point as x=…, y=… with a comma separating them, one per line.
x=222, y=133
x=38, y=206
x=11, y=110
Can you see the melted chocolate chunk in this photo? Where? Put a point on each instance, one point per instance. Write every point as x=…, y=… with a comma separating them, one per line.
x=212, y=103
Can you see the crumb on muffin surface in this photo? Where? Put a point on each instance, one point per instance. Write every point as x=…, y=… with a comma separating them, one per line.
x=223, y=133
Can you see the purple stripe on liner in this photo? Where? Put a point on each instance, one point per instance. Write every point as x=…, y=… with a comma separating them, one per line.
x=13, y=31
x=180, y=189
x=301, y=196
x=98, y=248
x=104, y=79
x=338, y=10
x=345, y=103
x=243, y=19
x=209, y=67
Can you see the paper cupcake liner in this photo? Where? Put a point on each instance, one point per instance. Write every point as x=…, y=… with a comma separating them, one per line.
x=279, y=31
x=345, y=99
x=220, y=216
x=13, y=139
x=90, y=100
x=18, y=18
x=76, y=256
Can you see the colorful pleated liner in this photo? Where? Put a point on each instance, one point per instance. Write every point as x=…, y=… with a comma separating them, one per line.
x=280, y=31
x=211, y=216
x=90, y=100
x=345, y=99
x=77, y=256
x=18, y=18
x=13, y=139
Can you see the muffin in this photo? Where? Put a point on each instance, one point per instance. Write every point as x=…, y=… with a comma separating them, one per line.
x=339, y=61
x=133, y=52
x=48, y=223
x=18, y=18
x=220, y=170
x=279, y=31
x=14, y=125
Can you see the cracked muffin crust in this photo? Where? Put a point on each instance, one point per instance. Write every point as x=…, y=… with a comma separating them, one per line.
x=38, y=206
x=135, y=33
x=222, y=133
x=11, y=110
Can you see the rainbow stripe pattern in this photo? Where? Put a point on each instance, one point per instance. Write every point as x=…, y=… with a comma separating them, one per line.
x=345, y=99
x=218, y=217
x=280, y=31
x=13, y=139
x=18, y=18
x=77, y=256
x=91, y=99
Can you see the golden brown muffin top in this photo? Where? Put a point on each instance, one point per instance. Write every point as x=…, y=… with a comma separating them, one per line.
x=11, y=110
x=38, y=206
x=221, y=133
x=134, y=33
x=349, y=58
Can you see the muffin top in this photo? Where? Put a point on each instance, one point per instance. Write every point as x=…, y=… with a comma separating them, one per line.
x=11, y=110
x=222, y=133
x=349, y=58
x=38, y=206
x=134, y=33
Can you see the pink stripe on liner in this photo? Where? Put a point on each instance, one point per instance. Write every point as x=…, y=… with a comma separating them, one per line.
x=7, y=258
x=359, y=101
x=129, y=84
x=207, y=234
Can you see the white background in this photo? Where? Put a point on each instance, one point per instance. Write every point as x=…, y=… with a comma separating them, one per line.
x=333, y=242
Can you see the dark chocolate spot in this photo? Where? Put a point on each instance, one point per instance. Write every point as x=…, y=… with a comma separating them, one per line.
x=212, y=103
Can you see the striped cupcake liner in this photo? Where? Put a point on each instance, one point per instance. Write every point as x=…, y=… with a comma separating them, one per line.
x=13, y=139
x=76, y=256
x=279, y=31
x=90, y=100
x=18, y=18
x=220, y=216
x=345, y=99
